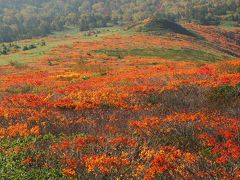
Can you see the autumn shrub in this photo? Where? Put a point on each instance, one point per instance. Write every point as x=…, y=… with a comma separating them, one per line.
x=187, y=97
x=97, y=68
x=229, y=68
x=17, y=64
x=175, y=130
x=50, y=63
x=69, y=76
x=20, y=89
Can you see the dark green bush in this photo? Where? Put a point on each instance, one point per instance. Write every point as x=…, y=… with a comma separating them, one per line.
x=153, y=99
x=225, y=94
x=25, y=48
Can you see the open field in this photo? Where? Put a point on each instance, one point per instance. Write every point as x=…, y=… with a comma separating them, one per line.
x=119, y=104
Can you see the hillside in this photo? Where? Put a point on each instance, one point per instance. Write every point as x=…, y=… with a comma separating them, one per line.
x=224, y=39
x=116, y=103
x=119, y=89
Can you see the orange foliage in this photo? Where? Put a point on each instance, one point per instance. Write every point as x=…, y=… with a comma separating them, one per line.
x=141, y=118
x=105, y=163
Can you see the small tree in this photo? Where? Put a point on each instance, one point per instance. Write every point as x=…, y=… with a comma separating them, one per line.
x=25, y=48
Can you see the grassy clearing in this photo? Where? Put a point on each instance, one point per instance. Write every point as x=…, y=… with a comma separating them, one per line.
x=31, y=55
x=177, y=54
x=229, y=24
x=60, y=38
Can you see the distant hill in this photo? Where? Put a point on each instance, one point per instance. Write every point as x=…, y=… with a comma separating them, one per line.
x=31, y=18
x=158, y=26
